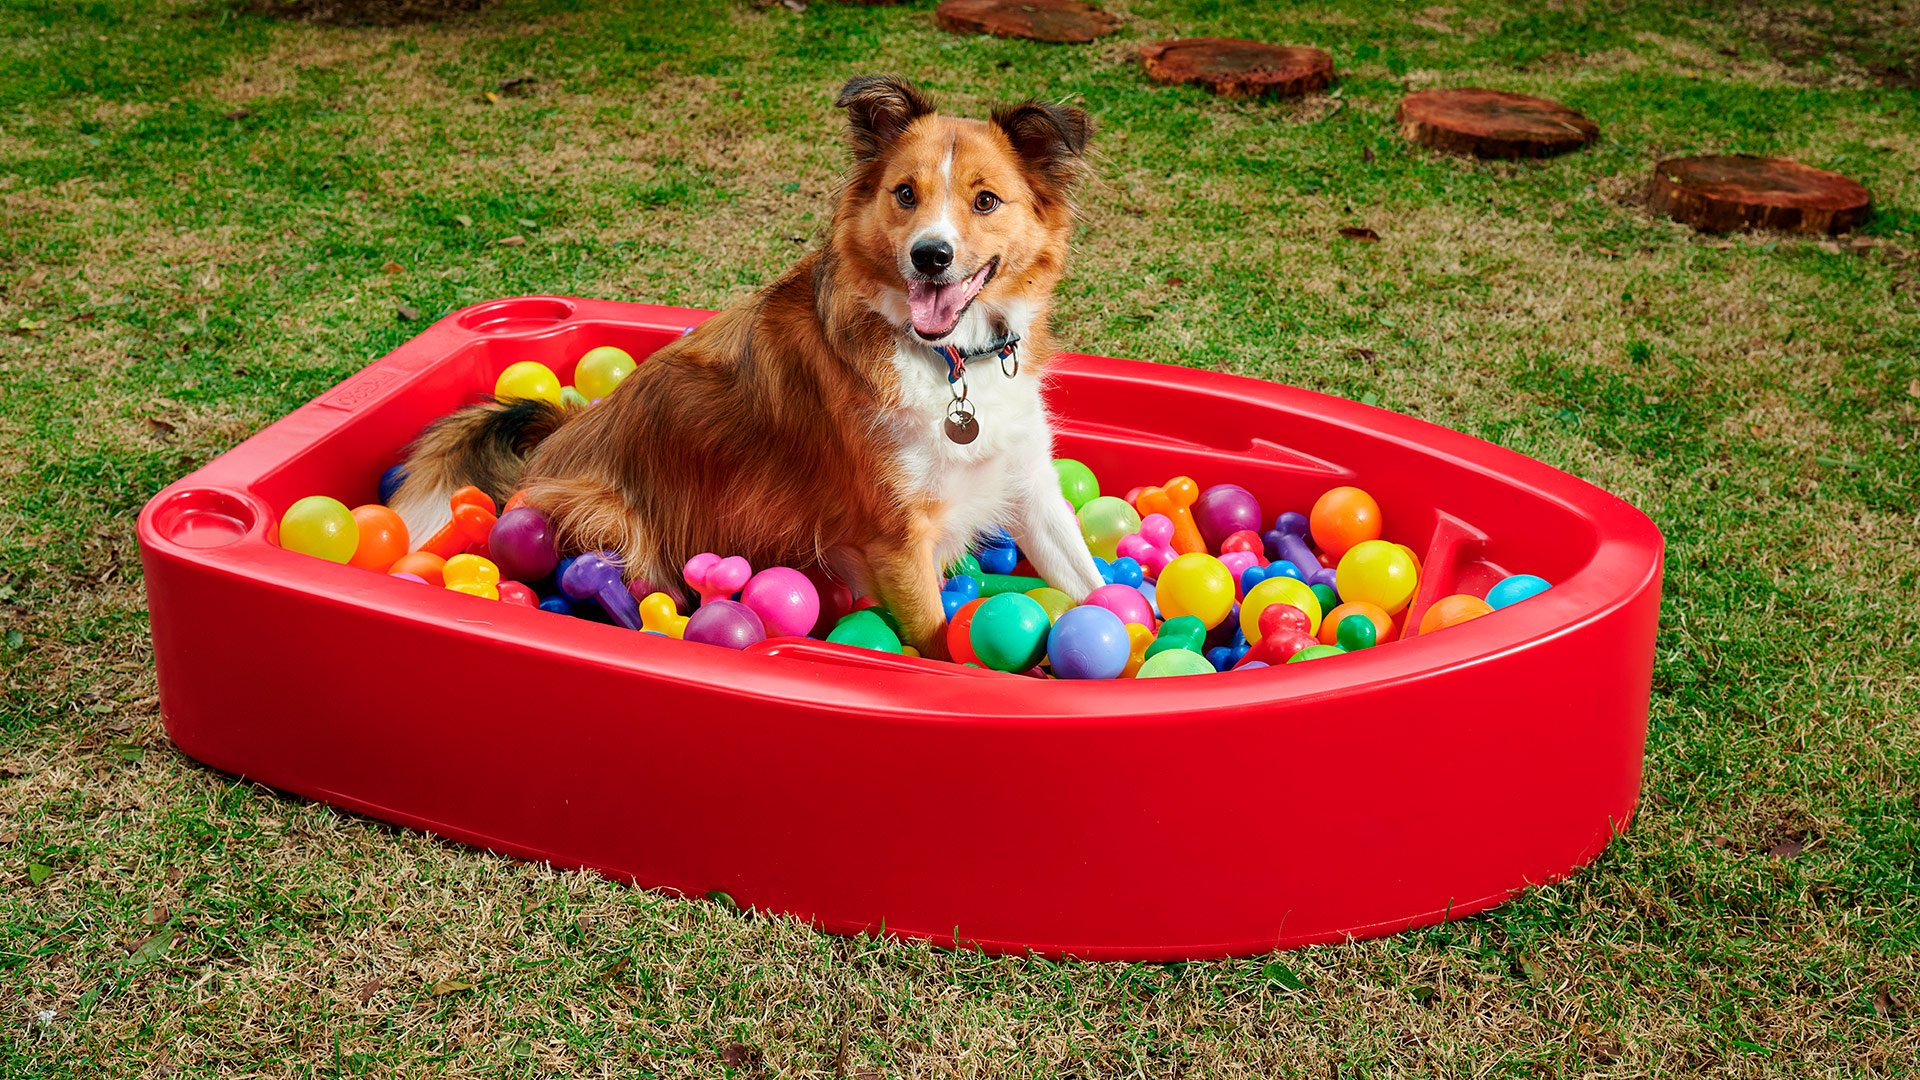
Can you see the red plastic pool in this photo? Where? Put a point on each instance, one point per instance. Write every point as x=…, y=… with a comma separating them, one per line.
x=1174, y=818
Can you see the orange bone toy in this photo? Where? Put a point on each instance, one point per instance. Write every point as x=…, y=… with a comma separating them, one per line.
x=1175, y=500
x=473, y=518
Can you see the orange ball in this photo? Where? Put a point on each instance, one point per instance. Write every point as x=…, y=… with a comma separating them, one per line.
x=422, y=564
x=1343, y=517
x=383, y=538
x=960, y=633
x=1452, y=611
x=1377, y=615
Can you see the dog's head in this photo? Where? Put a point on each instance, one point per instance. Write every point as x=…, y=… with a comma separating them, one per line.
x=940, y=214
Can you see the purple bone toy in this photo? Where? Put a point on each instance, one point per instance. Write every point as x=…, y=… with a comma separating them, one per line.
x=1284, y=542
x=595, y=576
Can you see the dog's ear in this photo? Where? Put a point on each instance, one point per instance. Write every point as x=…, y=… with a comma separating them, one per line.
x=1050, y=138
x=879, y=108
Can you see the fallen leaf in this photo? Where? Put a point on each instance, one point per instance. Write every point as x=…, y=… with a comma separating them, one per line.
x=1883, y=1004
x=156, y=915
x=1786, y=849
x=516, y=84
x=153, y=946
x=407, y=313
x=127, y=751
x=463, y=221
x=7, y=838
x=1913, y=388
x=511, y=241
x=1424, y=995
x=521, y=1049
x=1360, y=233
x=1281, y=974
x=372, y=987
x=1175, y=281
x=795, y=6
x=723, y=899
x=391, y=267
x=1529, y=968
x=38, y=872
x=448, y=986
x=163, y=427
x=1366, y=154
x=493, y=98
x=239, y=114
x=738, y=1055
x=613, y=970
x=528, y=223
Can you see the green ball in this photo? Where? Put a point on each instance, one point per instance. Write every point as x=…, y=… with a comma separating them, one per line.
x=865, y=629
x=1010, y=632
x=1356, y=632
x=321, y=527
x=1180, y=632
x=1104, y=520
x=1327, y=597
x=1175, y=662
x=1077, y=482
x=965, y=564
x=1315, y=652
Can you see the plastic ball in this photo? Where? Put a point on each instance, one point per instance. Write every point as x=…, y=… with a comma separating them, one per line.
x=1009, y=632
x=786, y=602
x=390, y=482
x=1278, y=590
x=726, y=623
x=1174, y=662
x=601, y=370
x=1104, y=520
x=1129, y=603
x=421, y=565
x=1053, y=600
x=1356, y=632
x=1315, y=652
x=383, y=538
x=410, y=577
x=522, y=543
x=1088, y=642
x=513, y=592
x=1077, y=482
x=530, y=380
x=1223, y=510
x=1139, y=640
x=321, y=527
x=1328, y=597
x=1512, y=590
x=1452, y=611
x=1343, y=517
x=1376, y=617
x=1196, y=584
x=1379, y=573
x=836, y=599
x=473, y=575
x=960, y=633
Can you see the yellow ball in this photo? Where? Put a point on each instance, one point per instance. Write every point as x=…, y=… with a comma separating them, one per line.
x=601, y=370
x=321, y=527
x=528, y=380
x=1277, y=590
x=1053, y=600
x=1377, y=572
x=1196, y=584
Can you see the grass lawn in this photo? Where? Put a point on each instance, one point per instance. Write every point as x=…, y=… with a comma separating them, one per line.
x=208, y=216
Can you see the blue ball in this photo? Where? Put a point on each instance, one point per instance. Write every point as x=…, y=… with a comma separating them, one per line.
x=1088, y=642
x=1151, y=591
x=559, y=605
x=1514, y=589
x=390, y=482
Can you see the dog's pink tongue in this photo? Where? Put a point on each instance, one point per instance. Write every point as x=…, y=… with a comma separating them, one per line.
x=935, y=307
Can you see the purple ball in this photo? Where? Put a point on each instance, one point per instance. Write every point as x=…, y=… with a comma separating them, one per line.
x=522, y=545
x=726, y=623
x=1088, y=642
x=1225, y=509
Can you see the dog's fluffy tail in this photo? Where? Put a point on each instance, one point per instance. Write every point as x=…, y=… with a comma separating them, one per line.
x=483, y=445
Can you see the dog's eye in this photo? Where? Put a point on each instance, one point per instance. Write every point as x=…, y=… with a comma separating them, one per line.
x=904, y=195
x=986, y=202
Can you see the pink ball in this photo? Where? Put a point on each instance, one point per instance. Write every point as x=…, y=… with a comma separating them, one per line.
x=1225, y=509
x=784, y=599
x=1125, y=601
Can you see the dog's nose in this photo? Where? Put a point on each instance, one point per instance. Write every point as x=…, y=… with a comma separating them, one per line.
x=932, y=256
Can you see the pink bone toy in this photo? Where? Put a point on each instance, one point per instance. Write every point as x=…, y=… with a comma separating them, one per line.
x=715, y=578
x=1150, y=546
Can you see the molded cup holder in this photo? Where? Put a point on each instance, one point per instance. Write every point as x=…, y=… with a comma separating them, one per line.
x=517, y=316
x=206, y=518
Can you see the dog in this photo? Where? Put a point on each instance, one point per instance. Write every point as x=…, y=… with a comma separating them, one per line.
x=874, y=411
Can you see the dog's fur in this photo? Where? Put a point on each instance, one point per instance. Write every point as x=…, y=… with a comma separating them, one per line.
x=805, y=424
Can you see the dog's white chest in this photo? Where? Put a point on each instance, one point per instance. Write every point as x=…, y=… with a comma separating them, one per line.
x=977, y=484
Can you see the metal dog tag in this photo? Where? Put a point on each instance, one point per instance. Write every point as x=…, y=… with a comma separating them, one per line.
x=962, y=428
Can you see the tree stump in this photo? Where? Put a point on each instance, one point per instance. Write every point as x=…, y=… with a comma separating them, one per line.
x=1722, y=193
x=1062, y=22
x=1232, y=67
x=1493, y=123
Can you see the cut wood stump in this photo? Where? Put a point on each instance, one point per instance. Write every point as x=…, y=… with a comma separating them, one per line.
x=1062, y=22
x=1493, y=123
x=1722, y=193
x=1232, y=67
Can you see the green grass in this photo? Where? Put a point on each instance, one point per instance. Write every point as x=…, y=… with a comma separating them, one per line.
x=196, y=206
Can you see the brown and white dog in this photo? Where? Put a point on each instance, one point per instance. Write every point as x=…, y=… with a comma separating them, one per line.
x=814, y=422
